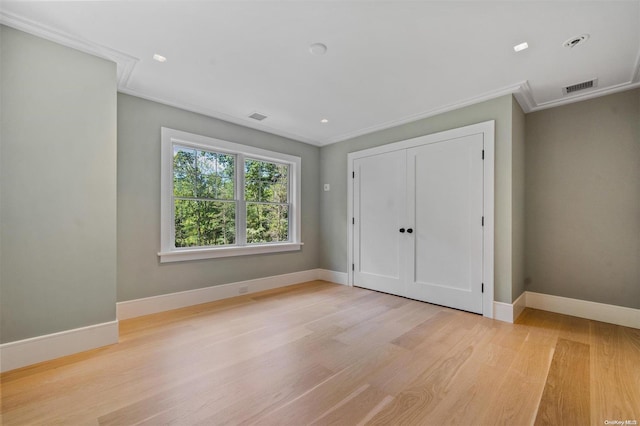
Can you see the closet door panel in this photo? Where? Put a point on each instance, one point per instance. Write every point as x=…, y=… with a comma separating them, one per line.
x=379, y=209
x=445, y=204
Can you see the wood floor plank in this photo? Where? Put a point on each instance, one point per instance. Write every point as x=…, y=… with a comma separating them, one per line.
x=470, y=391
x=565, y=399
x=615, y=373
x=394, y=377
x=421, y=395
x=355, y=408
x=516, y=401
x=329, y=354
x=321, y=399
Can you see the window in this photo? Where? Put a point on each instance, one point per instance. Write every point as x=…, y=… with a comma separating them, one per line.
x=224, y=199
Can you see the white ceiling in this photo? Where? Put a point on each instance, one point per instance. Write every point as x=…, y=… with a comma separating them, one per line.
x=387, y=63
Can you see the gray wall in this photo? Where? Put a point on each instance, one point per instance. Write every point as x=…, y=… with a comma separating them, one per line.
x=139, y=272
x=583, y=200
x=333, y=164
x=57, y=188
x=518, y=134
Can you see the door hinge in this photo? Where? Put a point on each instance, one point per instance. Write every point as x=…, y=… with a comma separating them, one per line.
x=483, y=154
x=353, y=266
x=482, y=220
x=483, y=287
x=353, y=220
x=353, y=175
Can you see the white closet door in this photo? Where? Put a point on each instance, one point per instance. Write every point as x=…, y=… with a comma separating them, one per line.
x=445, y=207
x=379, y=213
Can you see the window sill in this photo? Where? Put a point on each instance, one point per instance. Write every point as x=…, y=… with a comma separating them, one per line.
x=212, y=253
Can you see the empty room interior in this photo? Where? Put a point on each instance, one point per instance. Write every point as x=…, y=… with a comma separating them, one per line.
x=320, y=212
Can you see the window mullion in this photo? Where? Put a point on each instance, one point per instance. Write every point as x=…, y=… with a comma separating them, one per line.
x=241, y=214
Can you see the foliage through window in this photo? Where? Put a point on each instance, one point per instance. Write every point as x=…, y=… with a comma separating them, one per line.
x=226, y=198
x=266, y=193
x=203, y=193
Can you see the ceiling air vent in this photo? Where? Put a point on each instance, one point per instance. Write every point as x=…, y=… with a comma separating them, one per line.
x=580, y=86
x=258, y=116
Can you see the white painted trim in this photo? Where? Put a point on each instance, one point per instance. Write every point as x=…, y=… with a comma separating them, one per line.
x=50, y=346
x=166, y=302
x=586, y=95
x=635, y=75
x=125, y=66
x=613, y=314
x=509, y=312
x=422, y=115
x=244, y=122
x=125, y=63
x=210, y=253
x=333, y=276
x=487, y=129
x=524, y=96
x=350, y=229
x=168, y=251
x=503, y=311
x=488, y=204
x=519, y=305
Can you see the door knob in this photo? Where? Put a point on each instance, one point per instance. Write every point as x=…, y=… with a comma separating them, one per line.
x=402, y=230
x=410, y=230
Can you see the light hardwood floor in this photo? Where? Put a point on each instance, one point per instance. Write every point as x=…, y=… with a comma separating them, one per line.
x=320, y=353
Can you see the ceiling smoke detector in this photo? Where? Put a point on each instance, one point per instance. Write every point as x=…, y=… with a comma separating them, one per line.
x=258, y=116
x=574, y=41
x=318, y=49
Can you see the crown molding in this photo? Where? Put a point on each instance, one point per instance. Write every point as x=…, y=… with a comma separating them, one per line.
x=125, y=63
x=524, y=96
x=635, y=75
x=522, y=87
x=219, y=115
x=125, y=66
x=588, y=95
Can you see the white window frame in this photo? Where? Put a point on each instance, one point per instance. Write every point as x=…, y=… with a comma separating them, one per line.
x=169, y=252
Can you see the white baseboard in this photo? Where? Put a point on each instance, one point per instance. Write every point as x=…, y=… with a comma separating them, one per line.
x=519, y=305
x=333, y=276
x=509, y=312
x=44, y=348
x=166, y=302
x=50, y=346
x=613, y=314
x=503, y=311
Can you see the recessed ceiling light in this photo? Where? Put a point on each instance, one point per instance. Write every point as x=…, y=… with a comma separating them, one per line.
x=521, y=46
x=318, y=49
x=159, y=58
x=324, y=121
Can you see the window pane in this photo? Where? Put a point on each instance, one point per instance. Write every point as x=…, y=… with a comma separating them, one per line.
x=266, y=181
x=204, y=223
x=206, y=176
x=215, y=175
x=267, y=223
x=252, y=170
x=184, y=171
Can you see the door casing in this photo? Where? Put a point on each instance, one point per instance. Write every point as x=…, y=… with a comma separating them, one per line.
x=487, y=129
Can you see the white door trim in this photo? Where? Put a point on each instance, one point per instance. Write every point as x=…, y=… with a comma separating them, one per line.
x=487, y=129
